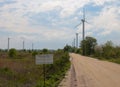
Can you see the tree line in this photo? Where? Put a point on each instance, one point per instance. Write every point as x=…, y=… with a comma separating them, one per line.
x=90, y=47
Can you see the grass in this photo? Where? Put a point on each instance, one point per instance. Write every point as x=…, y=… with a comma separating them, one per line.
x=22, y=71
x=115, y=60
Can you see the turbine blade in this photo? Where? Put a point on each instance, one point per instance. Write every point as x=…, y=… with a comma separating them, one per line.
x=87, y=22
x=84, y=13
x=78, y=25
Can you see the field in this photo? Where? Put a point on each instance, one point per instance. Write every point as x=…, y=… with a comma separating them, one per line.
x=22, y=71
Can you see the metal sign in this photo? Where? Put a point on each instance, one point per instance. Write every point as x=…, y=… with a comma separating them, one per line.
x=44, y=59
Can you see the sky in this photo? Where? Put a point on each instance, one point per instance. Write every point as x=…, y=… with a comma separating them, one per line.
x=51, y=23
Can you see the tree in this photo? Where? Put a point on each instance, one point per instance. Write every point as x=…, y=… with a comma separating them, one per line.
x=34, y=53
x=117, y=51
x=109, y=50
x=88, y=45
x=12, y=52
x=68, y=48
x=45, y=51
x=98, y=51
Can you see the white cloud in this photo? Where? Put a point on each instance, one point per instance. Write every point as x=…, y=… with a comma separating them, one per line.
x=69, y=7
x=66, y=7
x=16, y=18
x=108, y=20
x=1, y=0
x=102, y=2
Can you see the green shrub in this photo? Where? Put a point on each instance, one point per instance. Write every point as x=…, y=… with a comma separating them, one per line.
x=34, y=53
x=12, y=52
x=55, y=72
x=45, y=51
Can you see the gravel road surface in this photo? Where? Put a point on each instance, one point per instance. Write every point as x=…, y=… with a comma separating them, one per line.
x=90, y=72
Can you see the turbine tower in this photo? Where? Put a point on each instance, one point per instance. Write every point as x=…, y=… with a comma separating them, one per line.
x=83, y=20
x=32, y=46
x=8, y=43
x=83, y=24
x=76, y=40
x=23, y=45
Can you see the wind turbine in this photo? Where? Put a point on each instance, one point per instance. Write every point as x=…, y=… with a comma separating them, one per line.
x=77, y=40
x=73, y=43
x=8, y=43
x=23, y=43
x=32, y=46
x=83, y=20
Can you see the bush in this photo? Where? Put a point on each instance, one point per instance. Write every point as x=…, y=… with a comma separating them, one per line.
x=98, y=51
x=56, y=71
x=109, y=50
x=12, y=52
x=45, y=51
x=34, y=53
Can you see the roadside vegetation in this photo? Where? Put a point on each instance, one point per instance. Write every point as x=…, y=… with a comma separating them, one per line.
x=108, y=51
x=89, y=47
x=18, y=68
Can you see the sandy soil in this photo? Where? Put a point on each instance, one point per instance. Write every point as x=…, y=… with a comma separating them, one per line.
x=90, y=72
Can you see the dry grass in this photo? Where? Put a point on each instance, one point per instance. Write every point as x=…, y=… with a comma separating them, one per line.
x=20, y=72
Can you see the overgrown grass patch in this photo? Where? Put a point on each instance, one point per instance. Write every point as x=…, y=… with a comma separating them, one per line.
x=115, y=60
x=22, y=71
x=56, y=71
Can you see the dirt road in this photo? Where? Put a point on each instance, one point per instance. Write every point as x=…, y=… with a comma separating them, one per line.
x=90, y=72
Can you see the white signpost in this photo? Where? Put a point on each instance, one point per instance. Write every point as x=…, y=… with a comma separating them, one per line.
x=44, y=59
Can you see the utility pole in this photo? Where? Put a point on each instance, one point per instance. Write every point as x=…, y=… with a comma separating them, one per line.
x=76, y=40
x=8, y=43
